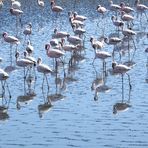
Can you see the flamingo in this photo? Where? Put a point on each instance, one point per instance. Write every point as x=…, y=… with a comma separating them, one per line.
x=125, y=8
x=78, y=31
x=28, y=31
x=17, y=13
x=11, y=40
x=78, y=17
x=112, y=41
x=23, y=62
x=102, y=10
x=127, y=18
x=114, y=7
x=56, y=8
x=45, y=69
x=76, y=22
x=122, y=69
x=97, y=44
x=141, y=8
x=129, y=33
x=102, y=55
x=117, y=23
x=32, y=59
x=59, y=34
x=54, y=53
x=74, y=39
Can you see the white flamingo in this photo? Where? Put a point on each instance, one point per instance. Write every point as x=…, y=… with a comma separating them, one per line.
x=78, y=31
x=122, y=69
x=102, y=10
x=114, y=7
x=59, y=34
x=117, y=23
x=56, y=8
x=112, y=41
x=96, y=44
x=11, y=40
x=45, y=69
x=127, y=18
x=125, y=8
x=75, y=40
x=28, y=31
x=54, y=54
x=79, y=17
x=141, y=8
x=24, y=63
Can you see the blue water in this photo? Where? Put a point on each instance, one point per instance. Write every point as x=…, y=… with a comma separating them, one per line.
x=76, y=120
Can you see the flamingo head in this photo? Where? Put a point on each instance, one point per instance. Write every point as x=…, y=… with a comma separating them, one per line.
x=91, y=39
x=39, y=61
x=114, y=64
x=17, y=55
x=4, y=34
x=113, y=17
x=11, y=10
x=73, y=26
x=110, y=1
x=105, y=39
x=55, y=30
x=137, y=2
x=62, y=40
x=122, y=4
x=52, y=3
x=98, y=6
x=69, y=13
x=75, y=14
x=68, y=35
x=25, y=53
x=30, y=25
x=47, y=46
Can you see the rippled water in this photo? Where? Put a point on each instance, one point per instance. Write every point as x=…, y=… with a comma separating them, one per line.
x=76, y=120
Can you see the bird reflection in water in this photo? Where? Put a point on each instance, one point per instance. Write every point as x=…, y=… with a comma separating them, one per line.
x=99, y=84
x=29, y=93
x=45, y=107
x=5, y=102
x=146, y=79
x=123, y=105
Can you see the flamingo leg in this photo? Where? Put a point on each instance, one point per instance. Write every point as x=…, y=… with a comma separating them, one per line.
x=146, y=16
x=47, y=82
x=130, y=86
x=8, y=89
x=43, y=81
x=122, y=88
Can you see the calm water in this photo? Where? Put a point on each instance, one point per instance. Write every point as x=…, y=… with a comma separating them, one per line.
x=76, y=120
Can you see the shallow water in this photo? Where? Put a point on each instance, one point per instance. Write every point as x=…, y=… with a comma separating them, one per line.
x=75, y=120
